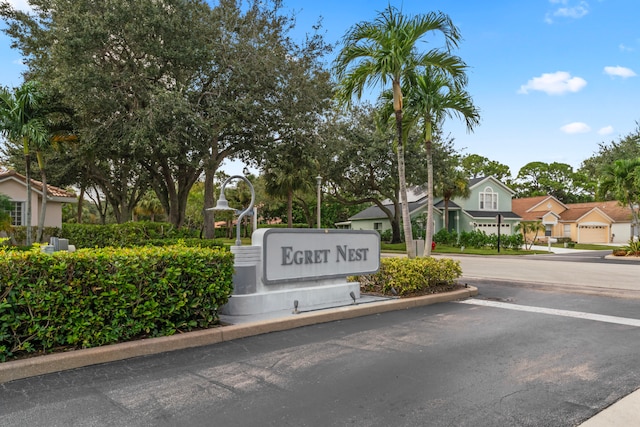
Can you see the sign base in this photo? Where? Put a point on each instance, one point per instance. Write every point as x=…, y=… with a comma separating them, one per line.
x=308, y=297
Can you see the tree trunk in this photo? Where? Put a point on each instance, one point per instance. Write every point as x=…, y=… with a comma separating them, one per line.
x=446, y=214
x=406, y=219
x=428, y=238
x=27, y=159
x=289, y=209
x=396, y=236
x=209, y=229
x=80, y=204
x=43, y=208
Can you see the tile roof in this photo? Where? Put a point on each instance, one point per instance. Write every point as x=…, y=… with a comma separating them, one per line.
x=612, y=208
x=573, y=212
x=37, y=185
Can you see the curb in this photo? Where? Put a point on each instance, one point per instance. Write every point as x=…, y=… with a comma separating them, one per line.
x=40, y=365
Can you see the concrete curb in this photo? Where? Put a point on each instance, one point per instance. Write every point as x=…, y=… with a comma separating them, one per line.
x=623, y=258
x=47, y=364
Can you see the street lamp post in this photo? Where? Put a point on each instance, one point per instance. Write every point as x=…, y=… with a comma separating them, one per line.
x=319, y=181
x=223, y=205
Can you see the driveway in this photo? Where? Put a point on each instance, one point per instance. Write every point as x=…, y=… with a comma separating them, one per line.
x=516, y=355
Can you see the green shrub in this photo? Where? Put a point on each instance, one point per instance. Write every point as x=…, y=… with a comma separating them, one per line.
x=189, y=242
x=411, y=276
x=474, y=239
x=386, y=235
x=19, y=234
x=512, y=241
x=632, y=248
x=101, y=296
x=444, y=237
x=120, y=235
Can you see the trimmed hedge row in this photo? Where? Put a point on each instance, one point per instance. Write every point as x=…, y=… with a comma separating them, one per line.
x=478, y=239
x=94, y=297
x=120, y=235
x=405, y=277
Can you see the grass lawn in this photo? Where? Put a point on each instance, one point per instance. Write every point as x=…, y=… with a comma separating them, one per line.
x=585, y=246
x=442, y=249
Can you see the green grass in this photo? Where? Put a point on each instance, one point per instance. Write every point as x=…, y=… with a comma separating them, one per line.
x=586, y=246
x=246, y=241
x=442, y=249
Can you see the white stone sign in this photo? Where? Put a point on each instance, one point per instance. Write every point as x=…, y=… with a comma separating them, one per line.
x=313, y=254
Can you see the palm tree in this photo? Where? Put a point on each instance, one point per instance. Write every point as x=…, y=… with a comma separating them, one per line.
x=528, y=228
x=150, y=206
x=621, y=179
x=21, y=122
x=385, y=50
x=453, y=183
x=434, y=97
x=59, y=128
x=284, y=176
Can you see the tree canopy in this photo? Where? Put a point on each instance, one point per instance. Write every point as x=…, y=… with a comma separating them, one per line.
x=164, y=92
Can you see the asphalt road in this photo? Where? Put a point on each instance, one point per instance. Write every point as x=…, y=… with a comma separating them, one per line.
x=449, y=364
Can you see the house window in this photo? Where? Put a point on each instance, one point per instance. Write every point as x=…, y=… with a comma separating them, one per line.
x=567, y=230
x=488, y=200
x=17, y=213
x=377, y=226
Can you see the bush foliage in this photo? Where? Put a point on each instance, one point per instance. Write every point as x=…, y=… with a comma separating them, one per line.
x=120, y=235
x=478, y=239
x=100, y=296
x=406, y=277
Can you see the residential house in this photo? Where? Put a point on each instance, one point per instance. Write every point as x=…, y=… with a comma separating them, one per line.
x=488, y=201
x=14, y=186
x=593, y=222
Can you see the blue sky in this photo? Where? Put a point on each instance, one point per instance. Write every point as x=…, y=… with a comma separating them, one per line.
x=552, y=78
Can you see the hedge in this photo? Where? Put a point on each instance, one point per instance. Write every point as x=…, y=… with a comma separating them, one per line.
x=120, y=235
x=100, y=296
x=406, y=277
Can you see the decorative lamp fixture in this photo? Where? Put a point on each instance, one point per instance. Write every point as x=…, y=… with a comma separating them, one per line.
x=223, y=204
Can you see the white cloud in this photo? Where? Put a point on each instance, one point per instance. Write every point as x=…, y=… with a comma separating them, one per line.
x=619, y=71
x=22, y=5
x=575, y=127
x=574, y=12
x=556, y=83
x=607, y=130
x=625, y=48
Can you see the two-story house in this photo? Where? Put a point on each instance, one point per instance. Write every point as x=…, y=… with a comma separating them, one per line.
x=488, y=201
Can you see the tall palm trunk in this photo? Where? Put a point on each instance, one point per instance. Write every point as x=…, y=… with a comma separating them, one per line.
x=45, y=195
x=27, y=159
x=406, y=219
x=428, y=238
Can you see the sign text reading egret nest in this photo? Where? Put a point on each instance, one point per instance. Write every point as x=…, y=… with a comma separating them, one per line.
x=321, y=256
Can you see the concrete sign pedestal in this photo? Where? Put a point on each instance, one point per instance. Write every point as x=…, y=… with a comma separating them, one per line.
x=309, y=266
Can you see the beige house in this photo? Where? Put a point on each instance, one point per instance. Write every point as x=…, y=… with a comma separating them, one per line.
x=592, y=222
x=14, y=186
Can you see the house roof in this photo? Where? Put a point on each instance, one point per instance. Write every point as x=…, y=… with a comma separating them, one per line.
x=414, y=194
x=573, y=211
x=374, y=212
x=52, y=191
x=493, y=214
x=480, y=180
x=440, y=205
x=611, y=208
